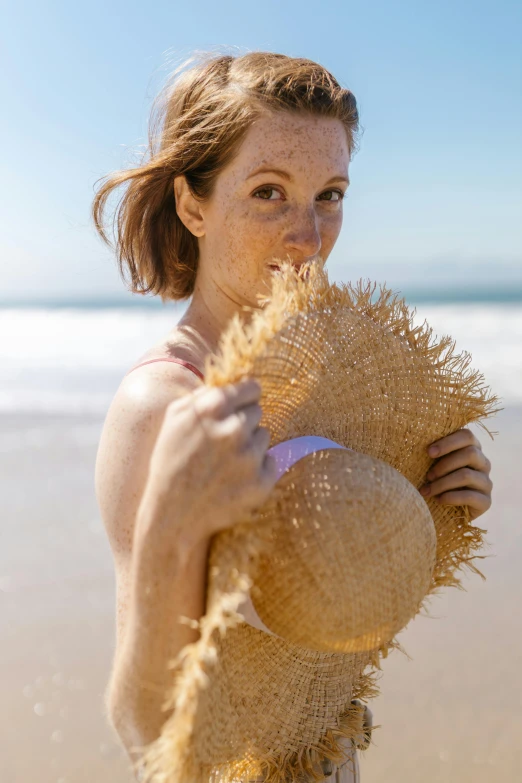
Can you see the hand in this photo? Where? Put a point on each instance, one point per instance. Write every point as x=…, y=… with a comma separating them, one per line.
x=209, y=467
x=460, y=474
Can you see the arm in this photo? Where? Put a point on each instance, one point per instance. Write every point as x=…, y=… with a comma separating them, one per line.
x=172, y=472
x=145, y=640
x=153, y=637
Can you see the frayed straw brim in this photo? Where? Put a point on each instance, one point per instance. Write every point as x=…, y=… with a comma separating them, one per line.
x=336, y=362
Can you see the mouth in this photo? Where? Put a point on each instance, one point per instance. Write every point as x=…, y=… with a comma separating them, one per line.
x=297, y=267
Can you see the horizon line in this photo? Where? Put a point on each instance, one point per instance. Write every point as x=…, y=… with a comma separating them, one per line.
x=480, y=292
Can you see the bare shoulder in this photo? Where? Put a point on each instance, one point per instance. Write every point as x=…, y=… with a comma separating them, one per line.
x=129, y=433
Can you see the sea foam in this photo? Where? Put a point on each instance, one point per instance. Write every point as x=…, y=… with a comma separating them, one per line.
x=71, y=361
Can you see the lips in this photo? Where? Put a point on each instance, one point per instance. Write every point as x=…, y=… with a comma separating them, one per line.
x=297, y=267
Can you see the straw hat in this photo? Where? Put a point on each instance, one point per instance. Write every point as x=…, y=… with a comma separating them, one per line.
x=306, y=595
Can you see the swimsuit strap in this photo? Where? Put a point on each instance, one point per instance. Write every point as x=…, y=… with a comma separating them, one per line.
x=174, y=361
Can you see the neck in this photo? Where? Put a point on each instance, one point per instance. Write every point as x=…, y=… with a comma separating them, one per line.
x=209, y=312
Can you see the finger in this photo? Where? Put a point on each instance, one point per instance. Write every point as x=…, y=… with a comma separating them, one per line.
x=457, y=440
x=245, y=392
x=465, y=497
x=242, y=423
x=259, y=443
x=470, y=456
x=225, y=400
x=257, y=448
x=465, y=478
x=269, y=472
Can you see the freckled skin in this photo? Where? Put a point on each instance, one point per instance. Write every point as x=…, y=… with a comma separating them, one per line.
x=241, y=233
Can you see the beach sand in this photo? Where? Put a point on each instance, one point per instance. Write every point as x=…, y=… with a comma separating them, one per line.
x=452, y=713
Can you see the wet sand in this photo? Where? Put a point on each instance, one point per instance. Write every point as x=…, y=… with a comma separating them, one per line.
x=453, y=713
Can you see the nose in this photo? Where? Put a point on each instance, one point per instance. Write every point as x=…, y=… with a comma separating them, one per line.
x=303, y=239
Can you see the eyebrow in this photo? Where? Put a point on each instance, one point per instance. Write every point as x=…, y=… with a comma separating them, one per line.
x=285, y=175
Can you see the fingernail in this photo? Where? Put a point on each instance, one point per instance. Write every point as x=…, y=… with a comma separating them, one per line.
x=425, y=490
x=433, y=451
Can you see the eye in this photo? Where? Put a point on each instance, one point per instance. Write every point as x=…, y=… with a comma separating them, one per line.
x=262, y=194
x=332, y=195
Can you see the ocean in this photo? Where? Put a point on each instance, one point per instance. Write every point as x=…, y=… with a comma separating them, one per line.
x=69, y=357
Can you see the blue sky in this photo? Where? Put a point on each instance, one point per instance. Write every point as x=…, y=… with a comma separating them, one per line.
x=436, y=185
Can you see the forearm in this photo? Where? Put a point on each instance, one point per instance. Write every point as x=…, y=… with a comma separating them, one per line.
x=164, y=586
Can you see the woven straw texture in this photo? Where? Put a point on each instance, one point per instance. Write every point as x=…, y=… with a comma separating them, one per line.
x=337, y=568
x=350, y=557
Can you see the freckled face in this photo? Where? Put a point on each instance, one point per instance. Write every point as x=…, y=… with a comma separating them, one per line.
x=281, y=197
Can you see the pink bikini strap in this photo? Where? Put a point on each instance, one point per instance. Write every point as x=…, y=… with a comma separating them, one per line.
x=174, y=361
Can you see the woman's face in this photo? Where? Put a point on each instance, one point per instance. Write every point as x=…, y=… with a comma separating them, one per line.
x=279, y=198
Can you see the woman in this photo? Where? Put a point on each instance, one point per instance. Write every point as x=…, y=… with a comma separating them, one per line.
x=250, y=165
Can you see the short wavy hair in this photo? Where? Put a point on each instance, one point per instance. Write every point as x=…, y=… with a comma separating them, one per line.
x=197, y=123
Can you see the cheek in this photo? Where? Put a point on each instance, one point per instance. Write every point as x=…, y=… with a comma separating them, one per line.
x=330, y=229
x=247, y=230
